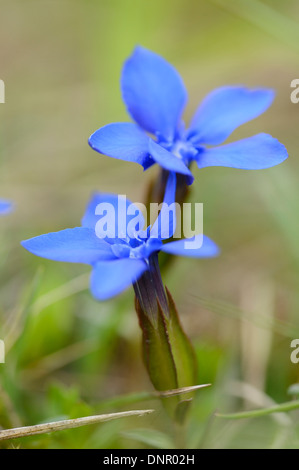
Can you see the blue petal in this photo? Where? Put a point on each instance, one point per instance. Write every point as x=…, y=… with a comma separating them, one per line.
x=199, y=246
x=125, y=141
x=254, y=153
x=74, y=245
x=5, y=207
x=118, y=218
x=169, y=161
x=164, y=226
x=109, y=278
x=152, y=245
x=154, y=93
x=225, y=109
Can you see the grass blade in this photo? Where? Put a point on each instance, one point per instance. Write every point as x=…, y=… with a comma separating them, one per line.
x=288, y=406
x=67, y=424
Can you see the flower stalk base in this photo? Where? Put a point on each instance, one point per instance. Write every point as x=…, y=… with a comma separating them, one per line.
x=167, y=352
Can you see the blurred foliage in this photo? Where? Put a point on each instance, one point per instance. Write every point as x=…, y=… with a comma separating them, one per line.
x=69, y=356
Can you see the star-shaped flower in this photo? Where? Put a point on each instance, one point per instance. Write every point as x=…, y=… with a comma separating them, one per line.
x=155, y=97
x=118, y=259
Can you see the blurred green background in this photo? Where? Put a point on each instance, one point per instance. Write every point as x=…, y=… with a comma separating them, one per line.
x=68, y=355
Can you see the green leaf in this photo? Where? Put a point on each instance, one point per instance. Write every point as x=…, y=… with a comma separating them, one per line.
x=168, y=355
x=157, y=351
x=182, y=350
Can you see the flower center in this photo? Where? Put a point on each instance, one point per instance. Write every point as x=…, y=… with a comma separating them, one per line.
x=181, y=148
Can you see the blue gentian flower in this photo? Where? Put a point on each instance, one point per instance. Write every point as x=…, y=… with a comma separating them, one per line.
x=5, y=207
x=117, y=261
x=155, y=97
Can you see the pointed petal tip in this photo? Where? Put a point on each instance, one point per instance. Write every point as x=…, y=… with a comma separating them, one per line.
x=210, y=249
x=73, y=245
x=90, y=141
x=23, y=243
x=191, y=247
x=139, y=49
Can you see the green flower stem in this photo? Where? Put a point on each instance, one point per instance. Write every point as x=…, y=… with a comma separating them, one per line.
x=149, y=290
x=167, y=352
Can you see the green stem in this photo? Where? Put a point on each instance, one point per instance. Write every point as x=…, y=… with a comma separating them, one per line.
x=149, y=290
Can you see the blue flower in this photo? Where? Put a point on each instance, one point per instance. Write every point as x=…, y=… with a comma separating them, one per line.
x=155, y=97
x=5, y=207
x=118, y=260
